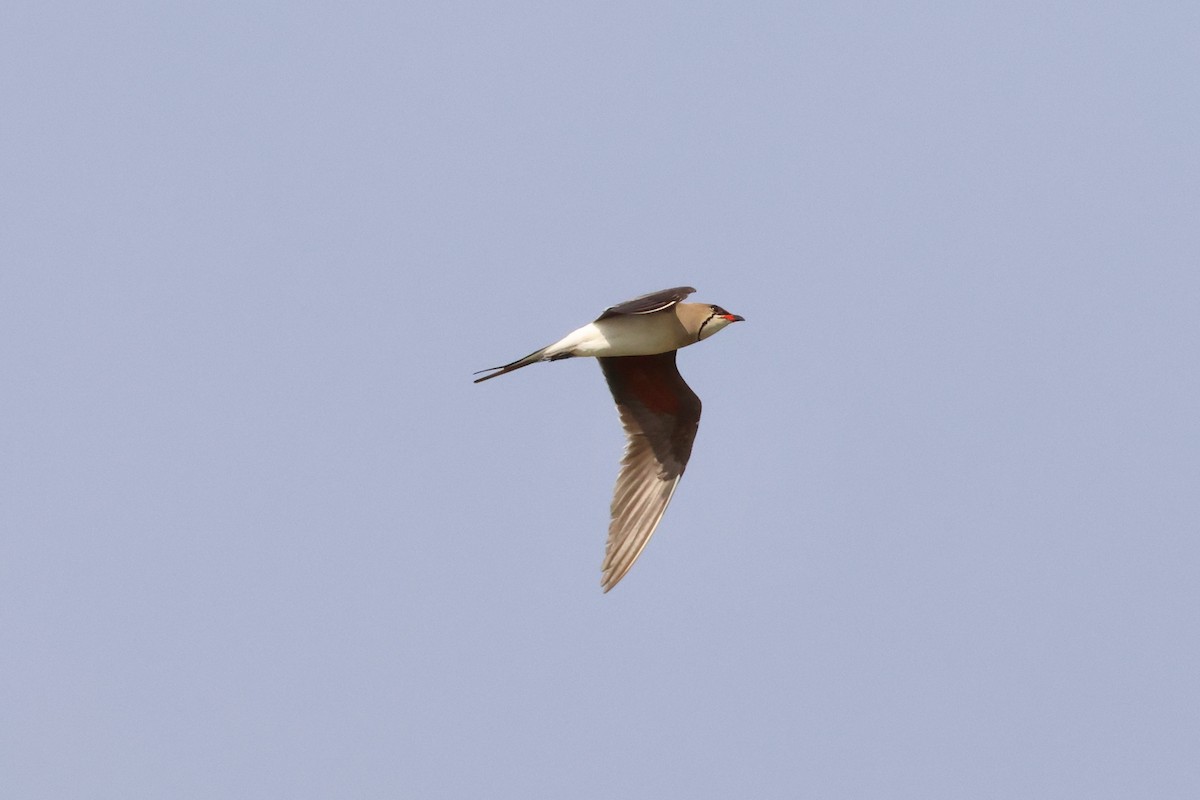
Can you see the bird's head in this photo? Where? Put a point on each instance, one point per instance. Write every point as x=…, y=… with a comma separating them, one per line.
x=717, y=319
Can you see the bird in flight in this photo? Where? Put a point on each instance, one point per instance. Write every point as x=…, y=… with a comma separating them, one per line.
x=635, y=342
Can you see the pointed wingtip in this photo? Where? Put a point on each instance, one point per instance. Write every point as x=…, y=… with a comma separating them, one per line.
x=610, y=576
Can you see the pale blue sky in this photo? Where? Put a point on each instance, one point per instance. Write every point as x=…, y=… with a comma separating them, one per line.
x=263, y=538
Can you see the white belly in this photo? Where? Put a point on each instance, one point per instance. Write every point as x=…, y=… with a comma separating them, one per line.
x=635, y=335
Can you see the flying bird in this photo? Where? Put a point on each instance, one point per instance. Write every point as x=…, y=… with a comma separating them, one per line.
x=635, y=343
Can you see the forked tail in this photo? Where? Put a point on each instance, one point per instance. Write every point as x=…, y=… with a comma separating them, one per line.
x=532, y=358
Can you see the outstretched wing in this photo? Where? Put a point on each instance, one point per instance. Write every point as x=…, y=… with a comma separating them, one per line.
x=660, y=414
x=648, y=303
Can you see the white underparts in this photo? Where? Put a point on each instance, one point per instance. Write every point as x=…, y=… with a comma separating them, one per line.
x=624, y=336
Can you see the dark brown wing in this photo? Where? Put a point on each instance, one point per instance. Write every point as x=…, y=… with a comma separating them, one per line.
x=660, y=414
x=648, y=303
